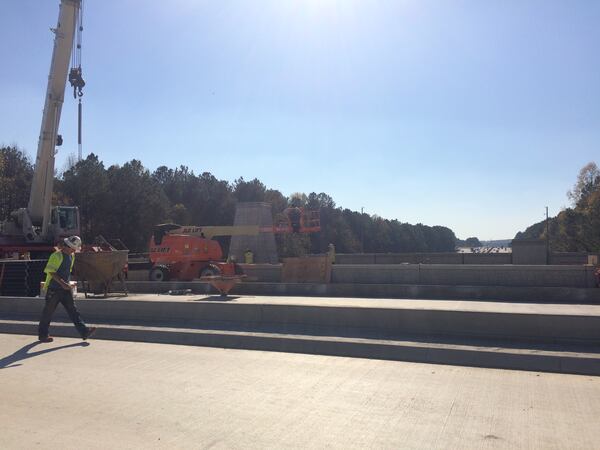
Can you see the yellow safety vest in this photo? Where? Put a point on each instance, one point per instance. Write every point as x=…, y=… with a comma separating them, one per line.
x=53, y=265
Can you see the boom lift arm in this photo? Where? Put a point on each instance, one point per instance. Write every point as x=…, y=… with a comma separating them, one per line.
x=207, y=232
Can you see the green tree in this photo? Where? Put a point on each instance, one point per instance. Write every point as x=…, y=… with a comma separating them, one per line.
x=443, y=239
x=591, y=226
x=578, y=228
x=473, y=242
x=298, y=199
x=136, y=202
x=277, y=200
x=86, y=185
x=588, y=181
x=127, y=202
x=176, y=184
x=331, y=219
x=249, y=191
x=180, y=215
x=16, y=172
x=211, y=201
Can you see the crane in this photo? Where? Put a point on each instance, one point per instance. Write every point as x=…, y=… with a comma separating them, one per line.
x=36, y=228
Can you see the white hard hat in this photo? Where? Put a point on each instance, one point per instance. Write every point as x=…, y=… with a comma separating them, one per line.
x=73, y=241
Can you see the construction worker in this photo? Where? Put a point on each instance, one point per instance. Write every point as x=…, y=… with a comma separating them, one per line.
x=295, y=217
x=331, y=253
x=248, y=256
x=59, y=290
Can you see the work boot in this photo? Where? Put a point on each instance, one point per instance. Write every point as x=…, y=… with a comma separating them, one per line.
x=90, y=331
x=45, y=340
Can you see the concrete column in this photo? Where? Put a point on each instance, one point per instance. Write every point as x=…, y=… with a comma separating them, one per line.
x=529, y=252
x=263, y=246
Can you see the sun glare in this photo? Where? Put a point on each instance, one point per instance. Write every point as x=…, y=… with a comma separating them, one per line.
x=319, y=10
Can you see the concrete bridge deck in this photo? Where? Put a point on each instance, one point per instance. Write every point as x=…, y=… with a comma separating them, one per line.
x=123, y=395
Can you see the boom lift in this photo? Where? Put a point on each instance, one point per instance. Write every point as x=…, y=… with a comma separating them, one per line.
x=297, y=220
x=38, y=227
x=187, y=252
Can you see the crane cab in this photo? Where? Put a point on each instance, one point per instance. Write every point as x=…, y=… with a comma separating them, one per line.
x=64, y=222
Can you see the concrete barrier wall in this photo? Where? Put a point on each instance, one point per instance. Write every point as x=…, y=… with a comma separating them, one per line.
x=376, y=274
x=556, y=258
x=255, y=272
x=345, y=319
x=435, y=274
x=272, y=272
x=571, y=258
x=424, y=258
x=553, y=276
x=487, y=258
x=467, y=275
x=399, y=258
x=355, y=258
x=417, y=258
x=263, y=272
x=137, y=275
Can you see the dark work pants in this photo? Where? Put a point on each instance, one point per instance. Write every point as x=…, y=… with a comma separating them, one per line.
x=53, y=298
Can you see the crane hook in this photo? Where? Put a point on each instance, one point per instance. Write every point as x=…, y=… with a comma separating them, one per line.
x=76, y=80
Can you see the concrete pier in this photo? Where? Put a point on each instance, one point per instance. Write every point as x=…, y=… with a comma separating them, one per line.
x=262, y=245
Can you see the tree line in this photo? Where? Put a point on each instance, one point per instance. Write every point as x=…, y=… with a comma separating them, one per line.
x=126, y=201
x=576, y=228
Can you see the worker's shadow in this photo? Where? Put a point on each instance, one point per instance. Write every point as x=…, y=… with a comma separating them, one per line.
x=23, y=353
x=216, y=298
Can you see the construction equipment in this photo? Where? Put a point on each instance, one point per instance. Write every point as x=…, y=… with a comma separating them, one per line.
x=97, y=271
x=187, y=252
x=223, y=283
x=34, y=230
x=297, y=220
x=100, y=265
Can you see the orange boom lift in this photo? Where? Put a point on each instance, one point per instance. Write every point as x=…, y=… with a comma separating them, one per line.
x=186, y=252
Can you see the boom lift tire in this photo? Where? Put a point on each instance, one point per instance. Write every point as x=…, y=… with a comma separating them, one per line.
x=210, y=271
x=159, y=273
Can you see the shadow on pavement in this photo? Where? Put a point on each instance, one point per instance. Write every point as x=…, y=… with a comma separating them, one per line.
x=216, y=298
x=23, y=353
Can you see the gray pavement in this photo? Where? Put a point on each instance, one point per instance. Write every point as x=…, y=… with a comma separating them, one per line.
x=110, y=394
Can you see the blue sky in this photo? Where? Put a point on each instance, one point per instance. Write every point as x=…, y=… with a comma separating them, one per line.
x=470, y=114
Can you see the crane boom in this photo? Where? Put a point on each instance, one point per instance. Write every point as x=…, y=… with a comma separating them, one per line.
x=34, y=230
x=43, y=179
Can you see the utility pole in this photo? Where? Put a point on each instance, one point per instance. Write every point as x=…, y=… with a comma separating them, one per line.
x=362, y=230
x=547, y=238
